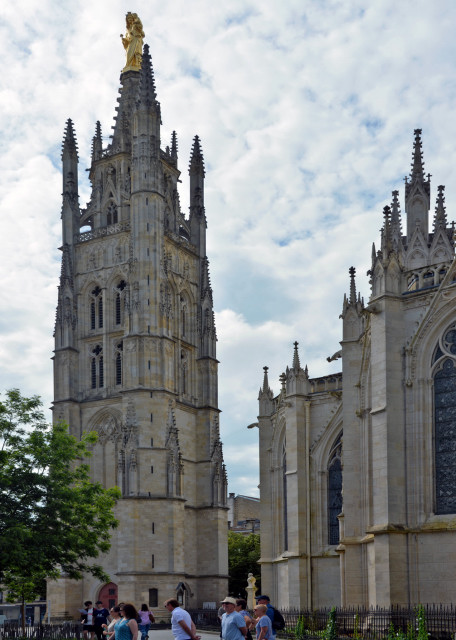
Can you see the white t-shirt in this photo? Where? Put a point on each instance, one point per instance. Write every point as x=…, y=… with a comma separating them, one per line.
x=177, y=615
x=90, y=616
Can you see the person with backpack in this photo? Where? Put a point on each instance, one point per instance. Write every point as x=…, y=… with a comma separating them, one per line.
x=276, y=618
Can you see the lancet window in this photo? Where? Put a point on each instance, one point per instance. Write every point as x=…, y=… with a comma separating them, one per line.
x=118, y=363
x=119, y=295
x=96, y=308
x=445, y=424
x=111, y=214
x=334, y=491
x=97, y=368
x=284, y=500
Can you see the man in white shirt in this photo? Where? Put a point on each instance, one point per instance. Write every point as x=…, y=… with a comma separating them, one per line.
x=182, y=625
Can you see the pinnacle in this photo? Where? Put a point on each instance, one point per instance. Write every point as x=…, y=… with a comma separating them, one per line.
x=417, y=167
x=417, y=162
x=352, y=272
x=440, y=218
x=69, y=143
x=196, y=158
x=97, y=143
x=296, y=363
x=174, y=145
x=146, y=92
x=265, y=380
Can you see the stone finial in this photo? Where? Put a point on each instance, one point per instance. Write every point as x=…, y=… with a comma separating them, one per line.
x=133, y=42
x=174, y=146
x=196, y=157
x=352, y=272
x=417, y=167
x=69, y=144
x=296, y=362
x=440, y=217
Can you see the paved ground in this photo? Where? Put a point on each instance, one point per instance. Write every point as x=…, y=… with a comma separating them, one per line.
x=165, y=634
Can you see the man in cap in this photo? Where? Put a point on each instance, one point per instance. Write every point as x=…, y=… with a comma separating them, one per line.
x=100, y=617
x=233, y=624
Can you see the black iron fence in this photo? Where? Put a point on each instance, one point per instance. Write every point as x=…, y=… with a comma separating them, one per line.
x=57, y=631
x=355, y=623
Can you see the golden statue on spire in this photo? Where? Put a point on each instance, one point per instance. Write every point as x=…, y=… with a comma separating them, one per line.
x=133, y=42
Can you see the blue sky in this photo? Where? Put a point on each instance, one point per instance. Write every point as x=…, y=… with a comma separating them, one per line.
x=306, y=113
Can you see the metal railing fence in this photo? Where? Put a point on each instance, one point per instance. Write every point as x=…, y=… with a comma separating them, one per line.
x=355, y=622
x=56, y=631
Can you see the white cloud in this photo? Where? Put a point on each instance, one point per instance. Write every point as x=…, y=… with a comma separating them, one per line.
x=306, y=113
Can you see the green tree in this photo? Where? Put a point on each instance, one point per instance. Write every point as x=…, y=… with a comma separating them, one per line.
x=243, y=556
x=53, y=519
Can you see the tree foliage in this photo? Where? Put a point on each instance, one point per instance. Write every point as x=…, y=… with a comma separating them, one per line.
x=243, y=556
x=53, y=519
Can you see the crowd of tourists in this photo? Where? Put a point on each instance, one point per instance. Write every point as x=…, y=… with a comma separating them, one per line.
x=124, y=622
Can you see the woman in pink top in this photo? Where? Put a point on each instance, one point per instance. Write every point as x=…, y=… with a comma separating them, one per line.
x=146, y=618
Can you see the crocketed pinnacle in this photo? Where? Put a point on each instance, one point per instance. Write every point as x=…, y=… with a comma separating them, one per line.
x=440, y=217
x=417, y=170
x=97, y=143
x=352, y=272
x=296, y=363
x=146, y=91
x=66, y=274
x=174, y=146
x=396, y=223
x=386, y=232
x=69, y=144
x=196, y=157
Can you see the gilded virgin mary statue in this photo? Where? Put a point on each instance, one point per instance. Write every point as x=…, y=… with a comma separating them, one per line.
x=133, y=42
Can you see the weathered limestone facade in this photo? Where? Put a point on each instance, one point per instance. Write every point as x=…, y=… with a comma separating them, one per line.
x=358, y=474
x=135, y=358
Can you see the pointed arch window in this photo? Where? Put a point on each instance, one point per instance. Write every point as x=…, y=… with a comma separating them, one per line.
x=334, y=491
x=284, y=496
x=96, y=308
x=119, y=297
x=445, y=424
x=111, y=214
x=119, y=354
x=97, y=368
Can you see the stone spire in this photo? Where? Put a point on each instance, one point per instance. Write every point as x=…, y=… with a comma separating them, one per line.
x=69, y=144
x=352, y=272
x=70, y=198
x=417, y=193
x=297, y=381
x=352, y=309
x=417, y=175
x=174, y=147
x=386, y=240
x=296, y=363
x=147, y=94
x=440, y=217
x=97, y=143
x=196, y=158
x=265, y=396
x=198, y=222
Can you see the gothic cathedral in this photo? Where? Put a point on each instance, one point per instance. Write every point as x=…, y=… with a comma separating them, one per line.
x=135, y=355
x=358, y=469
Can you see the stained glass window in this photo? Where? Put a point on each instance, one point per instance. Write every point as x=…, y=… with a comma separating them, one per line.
x=334, y=491
x=445, y=431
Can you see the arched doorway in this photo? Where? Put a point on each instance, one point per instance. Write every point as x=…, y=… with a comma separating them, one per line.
x=108, y=595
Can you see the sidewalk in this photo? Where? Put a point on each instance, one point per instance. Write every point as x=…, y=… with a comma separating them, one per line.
x=166, y=634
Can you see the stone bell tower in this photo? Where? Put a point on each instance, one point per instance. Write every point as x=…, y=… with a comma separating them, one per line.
x=135, y=354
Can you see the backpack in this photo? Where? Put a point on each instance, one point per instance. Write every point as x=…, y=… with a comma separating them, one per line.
x=278, y=622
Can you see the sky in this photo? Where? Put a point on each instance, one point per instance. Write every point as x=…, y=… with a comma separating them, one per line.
x=305, y=110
